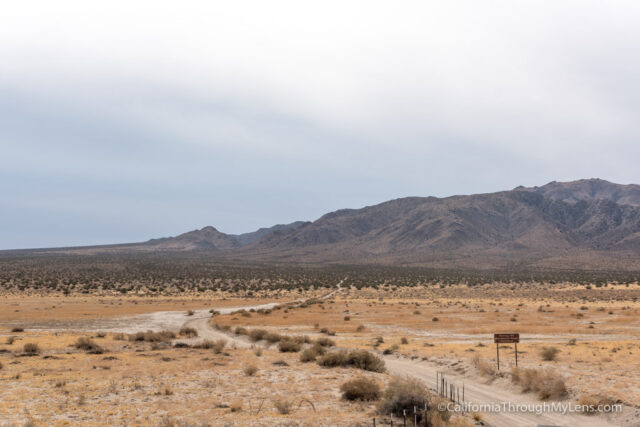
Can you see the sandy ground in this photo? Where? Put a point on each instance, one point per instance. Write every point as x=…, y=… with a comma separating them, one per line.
x=476, y=389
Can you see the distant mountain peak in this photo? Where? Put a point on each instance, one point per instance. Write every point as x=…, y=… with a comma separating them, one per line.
x=589, y=223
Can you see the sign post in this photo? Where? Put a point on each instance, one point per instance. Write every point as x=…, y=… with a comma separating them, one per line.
x=505, y=339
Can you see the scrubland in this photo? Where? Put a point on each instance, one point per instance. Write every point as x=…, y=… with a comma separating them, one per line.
x=78, y=350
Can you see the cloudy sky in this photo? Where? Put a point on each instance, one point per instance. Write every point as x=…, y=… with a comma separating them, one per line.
x=126, y=120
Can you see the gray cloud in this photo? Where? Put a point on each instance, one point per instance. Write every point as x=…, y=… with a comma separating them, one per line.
x=121, y=124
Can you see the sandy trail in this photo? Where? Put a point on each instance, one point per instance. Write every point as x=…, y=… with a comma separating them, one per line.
x=478, y=392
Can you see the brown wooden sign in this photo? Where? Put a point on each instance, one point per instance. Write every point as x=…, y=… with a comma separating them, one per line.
x=506, y=338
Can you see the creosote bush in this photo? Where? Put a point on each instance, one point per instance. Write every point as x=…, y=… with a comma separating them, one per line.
x=150, y=336
x=31, y=348
x=188, y=332
x=361, y=359
x=486, y=368
x=549, y=353
x=545, y=382
x=310, y=354
x=289, y=345
x=283, y=406
x=257, y=334
x=325, y=342
x=250, y=370
x=593, y=403
x=360, y=388
x=88, y=345
x=403, y=394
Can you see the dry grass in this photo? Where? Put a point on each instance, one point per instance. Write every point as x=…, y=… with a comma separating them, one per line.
x=593, y=403
x=485, y=368
x=283, y=406
x=547, y=383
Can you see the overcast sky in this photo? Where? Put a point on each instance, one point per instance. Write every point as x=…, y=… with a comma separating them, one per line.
x=126, y=120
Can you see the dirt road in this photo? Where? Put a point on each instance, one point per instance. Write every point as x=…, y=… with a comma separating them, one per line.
x=476, y=390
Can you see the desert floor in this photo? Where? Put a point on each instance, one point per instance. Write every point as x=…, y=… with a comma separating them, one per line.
x=448, y=329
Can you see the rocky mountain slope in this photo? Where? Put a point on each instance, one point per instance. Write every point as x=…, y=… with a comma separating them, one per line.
x=586, y=224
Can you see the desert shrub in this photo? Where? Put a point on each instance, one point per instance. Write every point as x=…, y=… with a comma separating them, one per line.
x=486, y=368
x=360, y=328
x=283, y=406
x=325, y=342
x=188, y=332
x=190, y=313
x=239, y=330
x=31, y=348
x=257, y=334
x=119, y=336
x=360, y=388
x=272, y=337
x=592, y=403
x=572, y=341
x=347, y=318
x=101, y=334
x=1, y=365
x=11, y=340
x=219, y=345
x=334, y=359
x=17, y=329
x=361, y=359
x=86, y=344
x=206, y=345
x=545, y=382
x=402, y=394
x=236, y=405
x=289, y=345
x=310, y=354
x=181, y=345
x=404, y=340
x=549, y=353
x=250, y=370
x=150, y=336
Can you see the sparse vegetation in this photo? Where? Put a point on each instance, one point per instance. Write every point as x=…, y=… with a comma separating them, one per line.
x=150, y=336
x=86, y=344
x=188, y=332
x=360, y=359
x=31, y=349
x=250, y=370
x=549, y=353
x=403, y=394
x=545, y=382
x=289, y=345
x=283, y=406
x=360, y=388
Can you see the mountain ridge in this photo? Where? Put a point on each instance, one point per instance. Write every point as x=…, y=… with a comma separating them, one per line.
x=574, y=224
